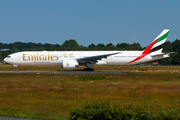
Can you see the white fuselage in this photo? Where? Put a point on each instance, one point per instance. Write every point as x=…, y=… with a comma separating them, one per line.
x=56, y=57
x=71, y=59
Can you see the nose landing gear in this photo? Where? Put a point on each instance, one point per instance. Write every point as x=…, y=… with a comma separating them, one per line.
x=16, y=67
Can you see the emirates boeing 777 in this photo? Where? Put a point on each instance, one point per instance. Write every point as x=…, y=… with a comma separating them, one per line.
x=72, y=59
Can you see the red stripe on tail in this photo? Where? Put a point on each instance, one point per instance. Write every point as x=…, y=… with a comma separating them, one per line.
x=145, y=52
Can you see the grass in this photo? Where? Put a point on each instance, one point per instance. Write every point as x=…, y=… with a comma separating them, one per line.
x=52, y=96
x=91, y=78
x=103, y=110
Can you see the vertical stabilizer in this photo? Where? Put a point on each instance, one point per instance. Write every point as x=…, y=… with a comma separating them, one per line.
x=159, y=42
x=155, y=47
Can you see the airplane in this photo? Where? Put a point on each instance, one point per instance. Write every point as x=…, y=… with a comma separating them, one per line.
x=72, y=59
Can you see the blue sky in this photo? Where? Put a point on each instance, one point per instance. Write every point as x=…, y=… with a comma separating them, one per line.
x=88, y=21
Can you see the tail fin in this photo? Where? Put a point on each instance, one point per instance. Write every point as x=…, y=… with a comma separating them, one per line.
x=156, y=46
x=158, y=43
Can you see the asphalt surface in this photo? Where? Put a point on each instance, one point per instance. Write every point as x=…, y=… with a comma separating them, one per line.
x=6, y=118
x=63, y=72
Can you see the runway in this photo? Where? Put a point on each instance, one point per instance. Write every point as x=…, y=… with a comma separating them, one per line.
x=62, y=72
x=6, y=118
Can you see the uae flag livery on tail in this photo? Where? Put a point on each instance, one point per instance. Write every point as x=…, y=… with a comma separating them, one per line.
x=155, y=47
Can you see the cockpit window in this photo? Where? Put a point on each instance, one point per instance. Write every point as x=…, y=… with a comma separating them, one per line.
x=8, y=56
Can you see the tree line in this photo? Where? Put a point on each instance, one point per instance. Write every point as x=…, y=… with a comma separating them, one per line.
x=72, y=45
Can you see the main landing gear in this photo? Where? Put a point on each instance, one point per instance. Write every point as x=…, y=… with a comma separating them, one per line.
x=88, y=65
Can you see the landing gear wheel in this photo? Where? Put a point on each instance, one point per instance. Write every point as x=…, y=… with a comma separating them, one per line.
x=92, y=69
x=89, y=69
x=85, y=69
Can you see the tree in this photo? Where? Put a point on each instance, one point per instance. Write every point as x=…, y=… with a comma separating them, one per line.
x=101, y=46
x=176, y=59
x=176, y=45
x=110, y=46
x=31, y=46
x=135, y=46
x=0, y=55
x=70, y=45
x=5, y=54
x=123, y=46
x=15, y=49
x=91, y=47
x=168, y=47
x=83, y=48
x=57, y=47
x=48, y=46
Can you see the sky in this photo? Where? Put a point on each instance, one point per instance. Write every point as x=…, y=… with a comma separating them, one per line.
x=88, y=21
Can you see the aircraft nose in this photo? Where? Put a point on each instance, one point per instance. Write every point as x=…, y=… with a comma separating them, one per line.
x=5, y=59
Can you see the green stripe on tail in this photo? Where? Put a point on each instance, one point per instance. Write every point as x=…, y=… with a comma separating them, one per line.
x=162, y=37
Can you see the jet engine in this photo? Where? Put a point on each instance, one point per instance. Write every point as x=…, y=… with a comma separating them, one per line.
x=69, y=64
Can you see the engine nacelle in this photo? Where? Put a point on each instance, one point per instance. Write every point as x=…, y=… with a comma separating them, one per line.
x=69, y=64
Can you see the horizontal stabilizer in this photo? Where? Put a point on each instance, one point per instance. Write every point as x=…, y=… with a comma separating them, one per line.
x=162, y=54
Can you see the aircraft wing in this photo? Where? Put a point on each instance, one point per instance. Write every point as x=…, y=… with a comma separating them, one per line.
x=93, y=59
